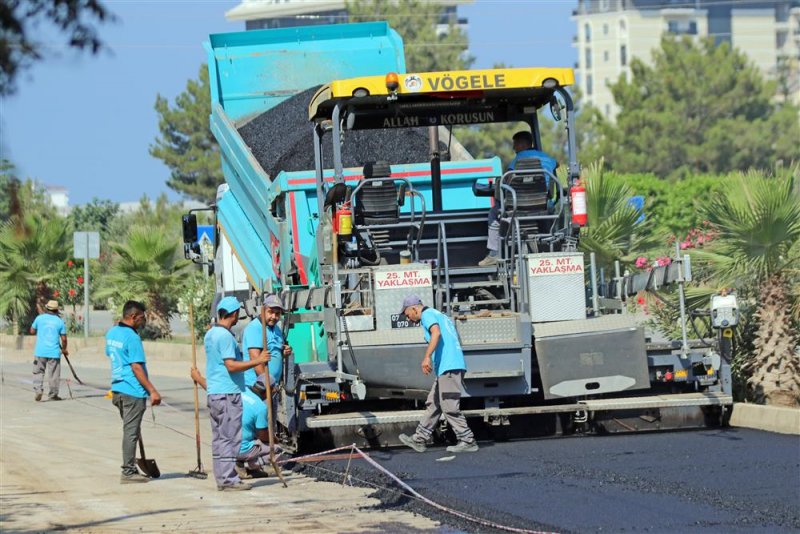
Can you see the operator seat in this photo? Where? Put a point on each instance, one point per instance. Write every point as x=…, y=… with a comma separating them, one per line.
x=377, y=201
x=530, y=183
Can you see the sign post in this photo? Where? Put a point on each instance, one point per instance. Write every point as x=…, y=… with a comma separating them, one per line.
x=86, y=245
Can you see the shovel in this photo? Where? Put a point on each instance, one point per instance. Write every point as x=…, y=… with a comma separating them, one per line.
x=148, y=467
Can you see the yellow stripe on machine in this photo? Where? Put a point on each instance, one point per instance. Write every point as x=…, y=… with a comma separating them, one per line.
x=433, y=83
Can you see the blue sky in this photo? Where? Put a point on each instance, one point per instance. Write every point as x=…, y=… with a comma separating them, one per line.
x=86, y=122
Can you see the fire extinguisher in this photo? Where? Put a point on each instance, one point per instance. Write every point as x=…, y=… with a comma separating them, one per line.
x=343, y=222
x=578, y=195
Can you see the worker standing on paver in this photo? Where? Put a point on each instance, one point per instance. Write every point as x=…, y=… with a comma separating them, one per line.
x=130, y=384
x=444, y=356
x=51, y=343
x=225, y=384
x=253, y=341
x=523, y=147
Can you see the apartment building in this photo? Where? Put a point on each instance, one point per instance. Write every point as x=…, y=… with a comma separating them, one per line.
x=612, y=32
x=263, y=14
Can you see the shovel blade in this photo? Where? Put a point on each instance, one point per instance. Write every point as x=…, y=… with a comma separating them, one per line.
x=148, y=467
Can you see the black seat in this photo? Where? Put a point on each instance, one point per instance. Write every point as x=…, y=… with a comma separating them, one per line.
x=530, y=185
x=377, y=201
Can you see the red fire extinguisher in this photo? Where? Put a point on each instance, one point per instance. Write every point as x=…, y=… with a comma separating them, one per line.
x=343, y=221
x=578, y=195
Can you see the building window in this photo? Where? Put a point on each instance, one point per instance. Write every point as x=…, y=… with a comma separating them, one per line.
x=589, y=84
x=672, y=26
x=603, y=5
x=682, y=27
x=782, y=12
x=605, y=29
x=780, y=39
x=587, y=32
x=622, y=25
x=623, y=55
x=605, y=56
x=608, y=110
x=588, y=60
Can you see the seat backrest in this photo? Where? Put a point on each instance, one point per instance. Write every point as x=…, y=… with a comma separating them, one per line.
x=377, y=201
x=530, y=185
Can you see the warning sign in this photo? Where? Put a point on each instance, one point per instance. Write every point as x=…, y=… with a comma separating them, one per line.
x=554, y=265
x=410, y=279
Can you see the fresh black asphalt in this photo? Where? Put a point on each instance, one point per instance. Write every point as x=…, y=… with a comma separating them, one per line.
x=722, y=480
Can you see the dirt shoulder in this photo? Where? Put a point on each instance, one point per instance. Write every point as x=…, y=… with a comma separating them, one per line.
x=59, y=467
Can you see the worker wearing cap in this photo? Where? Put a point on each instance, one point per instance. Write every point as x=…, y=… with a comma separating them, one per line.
x=254, y=450
x=130, y=383
x=444, y=357
x=51, y=343
x=225, y=385
x=253, y=341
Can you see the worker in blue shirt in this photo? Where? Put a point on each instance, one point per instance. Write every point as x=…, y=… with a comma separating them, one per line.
x=445, y=358
x=51, y=343
x=523, y=147
x=130, y=384
x=253, y=341
x=225, y=385
x=254, y=451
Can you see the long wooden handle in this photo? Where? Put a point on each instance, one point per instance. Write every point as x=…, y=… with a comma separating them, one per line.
x=267, y=381
x=141, y=446
x=196, y=395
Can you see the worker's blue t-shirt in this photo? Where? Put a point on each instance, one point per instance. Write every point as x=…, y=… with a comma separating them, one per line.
x=220, y=346
x=49, y=329
x=254, y=416
x=448, y=355
x=253, y=339
x=548, y=163
x=124, y=347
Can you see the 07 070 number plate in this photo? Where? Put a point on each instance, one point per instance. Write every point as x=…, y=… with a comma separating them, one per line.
x=399, y=320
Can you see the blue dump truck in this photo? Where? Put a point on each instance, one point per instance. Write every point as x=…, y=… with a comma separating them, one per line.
x=346, y=190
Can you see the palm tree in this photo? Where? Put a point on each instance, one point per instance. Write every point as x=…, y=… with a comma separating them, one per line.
x=614, y=231
x=31, y=247
x=756, y=251
x=146, y=267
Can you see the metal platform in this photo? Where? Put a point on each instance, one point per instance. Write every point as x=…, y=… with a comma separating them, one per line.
x=598, y=405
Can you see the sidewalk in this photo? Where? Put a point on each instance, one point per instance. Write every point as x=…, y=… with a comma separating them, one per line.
x=59, y=467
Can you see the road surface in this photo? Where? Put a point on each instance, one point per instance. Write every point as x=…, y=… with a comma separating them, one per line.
x=60, y=469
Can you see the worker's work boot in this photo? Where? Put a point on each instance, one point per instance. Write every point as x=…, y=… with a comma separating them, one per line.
x=463, y=446
x=54, y=398
x=411, y=442
x=242, y=471
x=38, y=397
x=488, y=261
x=240, y=486
x=134, y=478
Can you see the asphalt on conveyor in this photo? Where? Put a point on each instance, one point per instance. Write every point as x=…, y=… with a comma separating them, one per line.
x=721, y=480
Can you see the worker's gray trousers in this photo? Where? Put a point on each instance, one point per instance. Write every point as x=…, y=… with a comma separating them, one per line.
x=257, y=457
x=50, y=366
x=226, y=436
x=445, y=399
x=493, y=241
x=131, y=409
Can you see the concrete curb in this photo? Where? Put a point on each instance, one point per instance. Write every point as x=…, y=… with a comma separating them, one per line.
x=770, y=418
x=153, y=349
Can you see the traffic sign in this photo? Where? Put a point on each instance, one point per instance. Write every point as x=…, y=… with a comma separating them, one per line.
x=86, y=245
